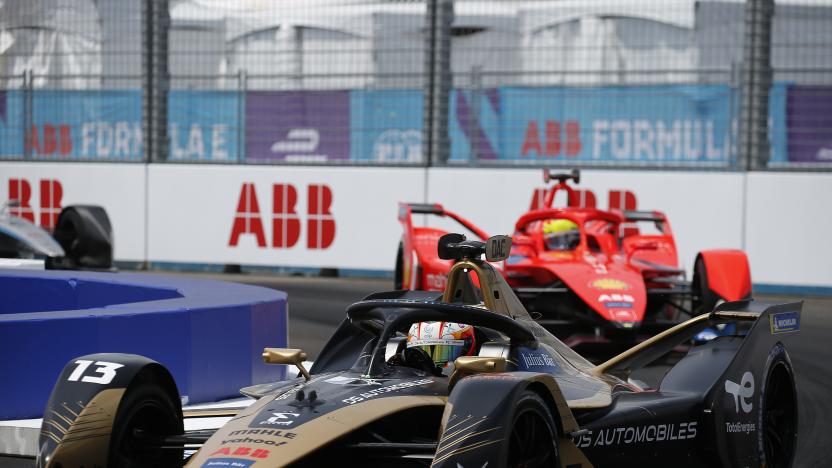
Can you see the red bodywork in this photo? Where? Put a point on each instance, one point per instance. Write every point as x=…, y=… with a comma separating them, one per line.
x=623, y=277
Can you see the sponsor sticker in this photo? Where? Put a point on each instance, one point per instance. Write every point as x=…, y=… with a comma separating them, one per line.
x=227, y=463
x=742, y=392
x=740, y=427
x=784, y=322
x=636, y=434
x=538, y=360
x=382, y=390
x=355, y=381
x=607, y=284
x=251, y=452
x=281, y=419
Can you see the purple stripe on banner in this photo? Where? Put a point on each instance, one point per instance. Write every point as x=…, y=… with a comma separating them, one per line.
x=3, y=105
x=466, y=122
x=494, y=99
x=298, y=125
x=809, y=123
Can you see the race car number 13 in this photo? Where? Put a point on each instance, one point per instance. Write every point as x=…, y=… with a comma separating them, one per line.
x=106, y=369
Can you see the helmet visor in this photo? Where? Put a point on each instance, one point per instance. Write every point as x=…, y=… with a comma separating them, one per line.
x=442, y=351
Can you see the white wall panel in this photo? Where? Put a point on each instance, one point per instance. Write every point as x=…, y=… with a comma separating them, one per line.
x=192, y=210
x=119, y=188
x=789, y=228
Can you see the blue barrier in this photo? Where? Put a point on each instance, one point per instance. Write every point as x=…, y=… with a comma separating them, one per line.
x=209, y=334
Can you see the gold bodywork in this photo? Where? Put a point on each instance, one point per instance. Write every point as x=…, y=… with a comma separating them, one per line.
x=307, y=437
x=82, y=434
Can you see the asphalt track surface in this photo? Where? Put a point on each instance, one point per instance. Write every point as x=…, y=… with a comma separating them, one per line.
x=316, y=307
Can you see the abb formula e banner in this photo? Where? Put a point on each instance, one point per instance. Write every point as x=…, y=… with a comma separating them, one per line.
x=280, y=216
x=43, y=189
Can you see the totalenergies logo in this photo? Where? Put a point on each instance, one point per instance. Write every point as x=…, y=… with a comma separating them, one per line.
x=286, y=223
x=609, y=284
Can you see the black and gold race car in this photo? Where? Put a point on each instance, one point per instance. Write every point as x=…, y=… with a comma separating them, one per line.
x=520, y=399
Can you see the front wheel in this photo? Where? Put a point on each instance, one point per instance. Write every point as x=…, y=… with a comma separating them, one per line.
x=533, y=441
x=146, y=414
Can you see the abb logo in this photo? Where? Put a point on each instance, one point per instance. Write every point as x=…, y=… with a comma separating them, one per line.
x=242, y=451
x=51, y=193
x=320, y=224
x=584, y=198
x=552, y=144
x=52, y=140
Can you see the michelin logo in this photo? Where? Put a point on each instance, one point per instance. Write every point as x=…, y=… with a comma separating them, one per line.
x=784, y=322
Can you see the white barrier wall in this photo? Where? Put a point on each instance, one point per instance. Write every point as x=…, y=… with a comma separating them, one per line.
x=789, y=228
x=119, y=188
x=346, y=217
x=309, y=217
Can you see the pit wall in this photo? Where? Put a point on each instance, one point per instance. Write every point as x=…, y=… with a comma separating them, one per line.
x=334, y=217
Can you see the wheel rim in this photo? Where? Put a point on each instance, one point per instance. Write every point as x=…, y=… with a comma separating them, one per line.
x=531, y=442
x=779, y=423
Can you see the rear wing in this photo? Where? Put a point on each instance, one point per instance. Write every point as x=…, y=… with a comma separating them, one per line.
x=766, y=320
x=406, y=210
x=418, y=265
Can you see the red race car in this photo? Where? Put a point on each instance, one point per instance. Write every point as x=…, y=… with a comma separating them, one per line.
x=597, y=278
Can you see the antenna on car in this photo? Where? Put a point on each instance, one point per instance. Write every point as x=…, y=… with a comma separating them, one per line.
x=561, y=177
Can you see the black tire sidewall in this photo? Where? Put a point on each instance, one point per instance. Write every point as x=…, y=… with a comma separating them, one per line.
x=137, y=398
x=704, y=298
x=777, y=355
x=530, y=400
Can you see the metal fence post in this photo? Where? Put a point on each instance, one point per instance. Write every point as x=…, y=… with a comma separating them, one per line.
x=427, y=89
x=155, y=79
x=27, y=113
x=754, y=148
x=443, y=81
x=242, y=89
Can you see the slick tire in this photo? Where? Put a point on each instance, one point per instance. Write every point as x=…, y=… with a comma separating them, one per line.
x=145, y=409
x=533, y=441
x=703, y=298
x=398, y=278
x=778, y=421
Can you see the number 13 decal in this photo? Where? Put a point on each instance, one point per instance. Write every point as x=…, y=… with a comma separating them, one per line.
x=106, y=369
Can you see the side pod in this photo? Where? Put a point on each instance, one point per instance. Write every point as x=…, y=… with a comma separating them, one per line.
x=479, y=419
x=99, y=403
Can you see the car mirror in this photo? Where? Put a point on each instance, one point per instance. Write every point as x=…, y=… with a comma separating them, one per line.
x=467, y=365
x=286, y=356
x=480, y=364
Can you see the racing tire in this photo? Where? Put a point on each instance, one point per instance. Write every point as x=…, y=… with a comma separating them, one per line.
x=398, y=277
x=778, y=418
x=86, y=235
x=533, y=441
x=145, y=409
x=703, y=298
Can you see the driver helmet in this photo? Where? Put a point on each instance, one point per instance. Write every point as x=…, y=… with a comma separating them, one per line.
x=561, y=234
x=443, y=341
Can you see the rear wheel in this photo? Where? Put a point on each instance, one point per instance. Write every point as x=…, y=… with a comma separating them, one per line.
x=533, y=441
x=703, y=298
x=399, y=275
x=146, y=414
x=779, y=412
